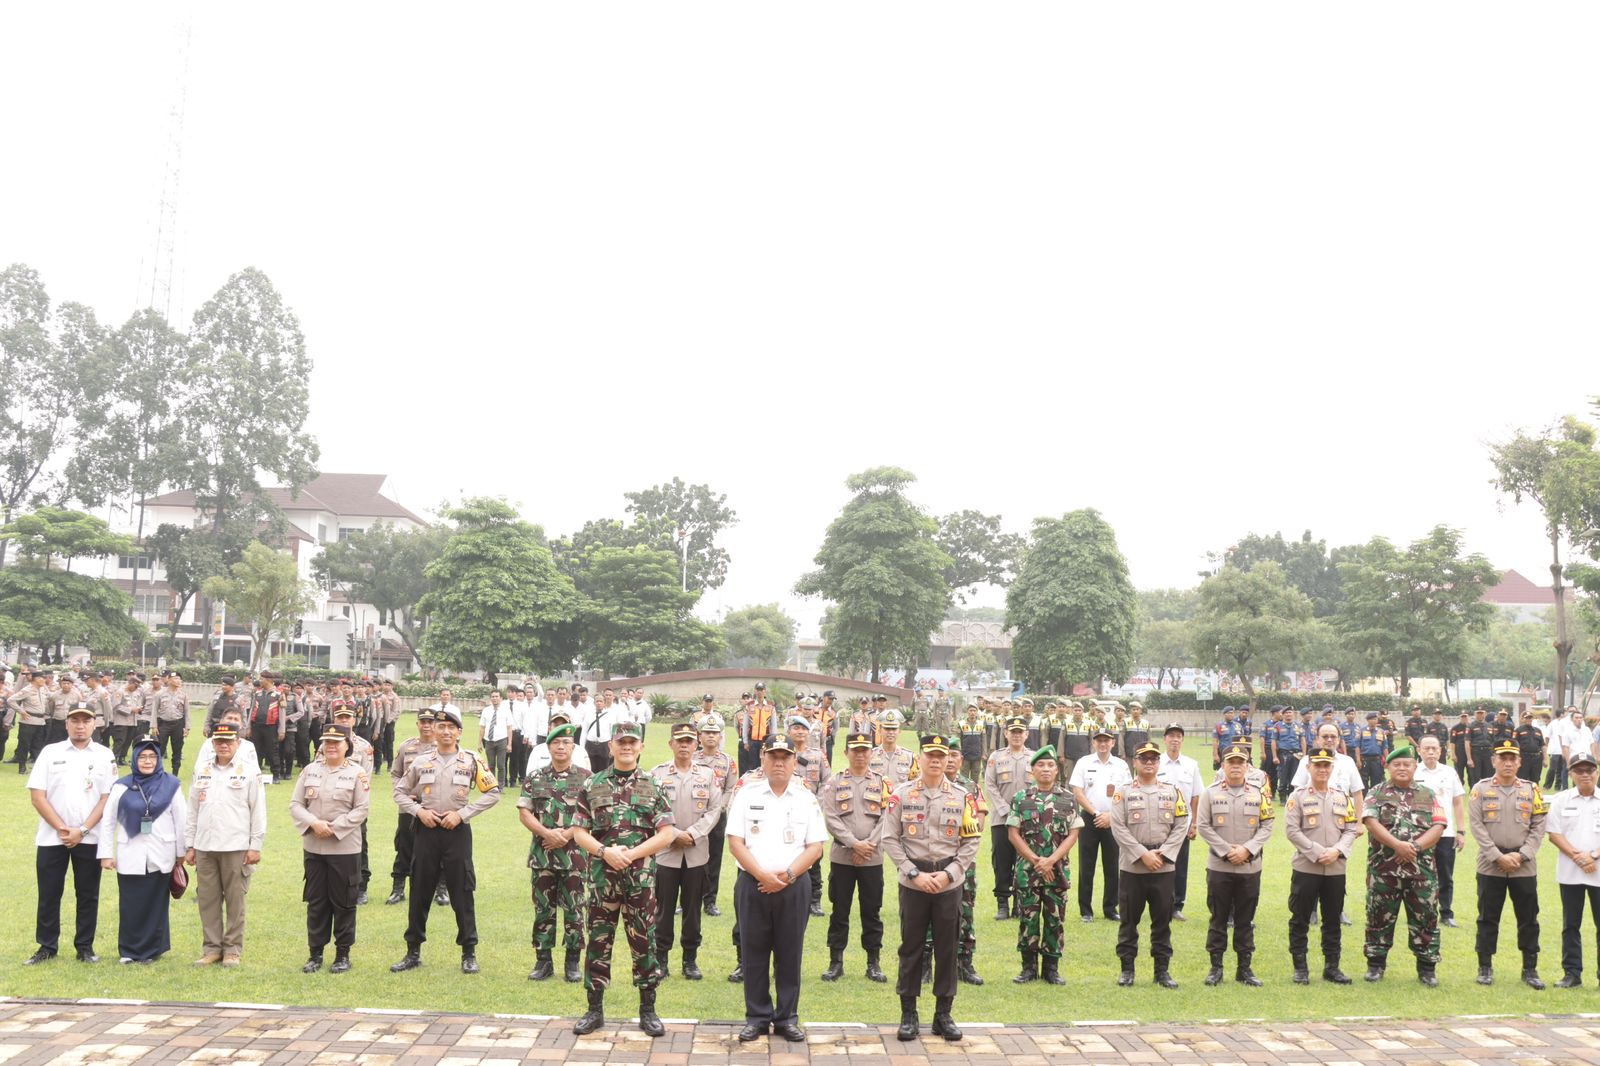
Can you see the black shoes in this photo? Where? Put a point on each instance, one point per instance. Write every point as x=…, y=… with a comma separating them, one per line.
x=1125, y=979
x=42, y=955
x=691, y=968
x=313, y=964
x=649, y=1022
x=1214, y=975
x=943, y=1024
x=441, y=896
x=1374, y=970
x=341, y=963
x=1164, y=979
x=910, y=1027
x=816, y=912
x=1334, y=976
x=790, y=1032
x=1570, y=980
x=361, y=898
x=874, y=971
x=412, y=961
x=1486, y=975
x=737, y=976
x=835, y=968
x=1030, y=970
x=712, y=910
x=967, y=974
x=1426, y=976
x=1003, y=913
x=1245, y=975
x=1302, y=976
x=469, y=963
x=87, y=955
x=574, y=969
x=1051, y=973
x=751, y=1031
x=543, y=967
x=595, y=1016
x=1530, y=977
x=399, y=893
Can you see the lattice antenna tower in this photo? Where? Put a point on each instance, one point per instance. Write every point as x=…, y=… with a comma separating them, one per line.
x=161, y=272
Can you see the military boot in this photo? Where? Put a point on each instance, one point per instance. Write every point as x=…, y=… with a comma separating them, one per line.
x=574, y=967
x=1052, y=971
x=595, y=1017
x=313, y=964
x=1375, y=968
x=542, y=966
x=1244, y=974
x=1530, y=973
x=943, y=1024
x=874, y=971
x=1426, y=974
x=910, y=1027
x=1331, y=972
x=691, y=966
x=1030, y=969
x=1485, y=973
x=1302, y=976
x=967, y=973
x=1214, y=975
x=341, y=961
x=399, y=893
x=835, y=968
x=1003, y=913
x=649, y=1022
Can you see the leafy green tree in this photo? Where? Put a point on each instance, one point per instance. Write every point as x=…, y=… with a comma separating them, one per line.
x=881, y=566
x=1559, y=470
x=1165, y=645
x=673, y=509
x=57, y=533
x=1249, y=622
x=1511, y=649
x=1072, y=604
x=1326, y=648
x=636, y=619
x=51, y=607
x=1306, y=564
x=758, y=635
x=264, y=591
x=971, y=663
x=387, y=567
x=980, y=554
x=1177, y=605
x=1411, y=611
x=574, y=553
x=497, y=601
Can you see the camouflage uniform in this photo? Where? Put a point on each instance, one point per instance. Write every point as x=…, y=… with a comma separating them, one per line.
x=1407, y=814
x=622, y=810
x=558, y=874
x=1045, y=819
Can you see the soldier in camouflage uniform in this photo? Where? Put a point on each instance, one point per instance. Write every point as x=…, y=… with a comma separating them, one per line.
x=547, y=807
x=1043, y=824
x=967, y=945
x=623, y=819
x=1405, y=821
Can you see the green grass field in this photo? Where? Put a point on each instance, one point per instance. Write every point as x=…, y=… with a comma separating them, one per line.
x=275, y=947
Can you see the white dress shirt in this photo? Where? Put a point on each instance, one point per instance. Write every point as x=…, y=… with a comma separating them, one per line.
x=1445, y=782
x=1346, y=775
x=538, y=718
x=1182, y=772
x=73, y=779
x=1099, y=780
x=244, y=755
x=539, y=758
x=776, y=829
x=1577, y=818
x=146, y=853
x=494, y=720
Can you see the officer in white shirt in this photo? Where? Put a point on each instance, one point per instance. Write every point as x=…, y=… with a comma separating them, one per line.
x=1183, y=773
x=1095, y=780
x=1567, y=736
x=245, y=755
x=1346, y=775
x=69, y=785
x=1573, y=826
x=494, y=731
x=1448, y=790
x=541, y=752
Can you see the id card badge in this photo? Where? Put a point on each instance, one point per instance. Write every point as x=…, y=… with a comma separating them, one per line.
x=788, y=834
x=146, y=824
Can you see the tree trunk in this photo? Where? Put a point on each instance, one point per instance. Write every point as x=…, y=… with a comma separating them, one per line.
x=1405, y=679
x=874, y=667
x=1563, y=642
x=138, y=537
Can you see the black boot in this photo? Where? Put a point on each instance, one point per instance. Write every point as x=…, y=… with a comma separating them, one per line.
x=691, y=966
x=1302, y=976
x=1331, y=972
x=835, y=968
x=441, y=896
x=1052, y=971
x=1030, y=969
x=574, y=966
x=1214, y=975
x=595, y=1016
x=1485, y=973
x=399, y=893
x=967, y=973
x=910, y=1027
x=1426, y=974
x=1530, y=973
x=874, y=971
x=341, y=961
x=413, y=959
x=1125, y=978
x=943, y=1024
x=665, y=963
x=1244, y=974
x=313, y=964
x=1004, y=911
x=542, y=967
x=1164, y=979
x=649, y=1022
x=1375, y=968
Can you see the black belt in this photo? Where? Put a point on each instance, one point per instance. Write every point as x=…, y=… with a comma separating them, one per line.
x=928, y=866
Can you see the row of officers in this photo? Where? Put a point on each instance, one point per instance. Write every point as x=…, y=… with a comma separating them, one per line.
x=631, y=848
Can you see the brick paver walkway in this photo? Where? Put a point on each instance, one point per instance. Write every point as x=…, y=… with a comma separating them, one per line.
x=120, y=1033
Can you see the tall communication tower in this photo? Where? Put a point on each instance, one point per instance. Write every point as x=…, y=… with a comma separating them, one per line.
x=159, y=294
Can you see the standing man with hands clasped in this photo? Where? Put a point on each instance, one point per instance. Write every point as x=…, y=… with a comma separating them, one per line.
x=854, y=802
x=1506, y=813
x=1321, y=824
x=1574, y=825
x=1234, y=818
x=69, y=785
x=1150, y=821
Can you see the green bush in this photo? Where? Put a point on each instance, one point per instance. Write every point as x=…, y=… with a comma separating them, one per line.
x=1183, y=700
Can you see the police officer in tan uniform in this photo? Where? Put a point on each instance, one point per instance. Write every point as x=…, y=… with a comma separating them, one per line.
x=405, y=829
x=696, y=801
x=1234, y=818
x=1149, y=821
x=1004, y=775
x=724, y=770
x=31, y=709
x=1507, y=816
x=891, y=760
x=932, y=840
x=853, y=803
x=331, y=800
x=1321, y=823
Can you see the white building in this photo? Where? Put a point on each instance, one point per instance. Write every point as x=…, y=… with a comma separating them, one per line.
x=329, y=508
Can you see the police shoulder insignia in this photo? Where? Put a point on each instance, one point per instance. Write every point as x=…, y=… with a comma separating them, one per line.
x=361, y=776
x=1540, y=806
x=1181, y=810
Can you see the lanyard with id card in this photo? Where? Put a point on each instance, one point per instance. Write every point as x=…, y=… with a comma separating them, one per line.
x=147, y=823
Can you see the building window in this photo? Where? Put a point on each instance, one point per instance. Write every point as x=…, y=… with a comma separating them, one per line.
x=132, y=562
x=322, y=533
x=346, y=532
x=152, y=608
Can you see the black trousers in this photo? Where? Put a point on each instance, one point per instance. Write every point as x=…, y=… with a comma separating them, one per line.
x=1482, y=766
x=1003, y=861
x=30, y=742
x=1371, y=769
x=122, y=737
x=302, y=745
x=845, y=881
x=55, y=729
x=1308, y=891
x=1531, y=769
x=675, y=883
x=1180, y=887
x=715, y=842
x=170, y=731
x=917, y=911
x=773, y=938
x=268, y=747
x=385, y=746
x=405, y=835
x=1094, y=843
x=1573, y=899
x=1444, y=857
x=1135, y=892
x=748, y=759
x=1231, y=895
x=5, y=736
x=50, y=868
x=1555, y=775
x=1492, y=893
x=443, y=853
x=330, y=897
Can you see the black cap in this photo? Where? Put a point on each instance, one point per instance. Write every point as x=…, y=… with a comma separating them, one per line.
x=1172, y=728
x=778, y=742
x=685, y=729
x=858, y=740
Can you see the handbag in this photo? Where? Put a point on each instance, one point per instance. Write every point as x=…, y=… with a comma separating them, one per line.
x=178, y=883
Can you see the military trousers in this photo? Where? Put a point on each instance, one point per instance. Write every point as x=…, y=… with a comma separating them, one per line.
x=30, y=742
x=1573, y=900
x=1234, y=897
x=1531, y=769
x=331, y=883
x=627, y=896
x=919, y=910
x=1419, y=896
x=845, y=882
x=1307, y=893
x=675, y=884
x=558, y=892
x=443, y=854
x=170, y=730
x=1041, y=909
x=1492, y=893
x=1137, y=891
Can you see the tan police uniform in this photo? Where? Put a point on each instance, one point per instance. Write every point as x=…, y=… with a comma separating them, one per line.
x=1507, y=820
x=1314, y=823
x=342, y=798
x=1225, y=818
x=1147, y=818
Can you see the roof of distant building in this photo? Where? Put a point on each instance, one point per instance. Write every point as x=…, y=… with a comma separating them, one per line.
x=959, y=633
x=1514, y=590
x=339, y=494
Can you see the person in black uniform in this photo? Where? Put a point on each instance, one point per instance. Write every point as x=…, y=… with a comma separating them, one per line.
x=1415, y=727
x=1458, y=743
x=1529, y=739
x=1504, y=729
x=1439, y=729
x=1480, y=746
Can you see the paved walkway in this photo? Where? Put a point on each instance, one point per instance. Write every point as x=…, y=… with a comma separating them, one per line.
x=88, y=1032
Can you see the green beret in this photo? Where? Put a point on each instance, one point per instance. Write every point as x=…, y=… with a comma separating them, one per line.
x=1404, y=751
x=1046, y=752
x=568, y=731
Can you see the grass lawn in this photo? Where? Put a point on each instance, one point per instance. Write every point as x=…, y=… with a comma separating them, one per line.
x=275, y=947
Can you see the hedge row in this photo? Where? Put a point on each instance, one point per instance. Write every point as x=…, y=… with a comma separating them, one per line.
x=211, y=673
x=1184, y=700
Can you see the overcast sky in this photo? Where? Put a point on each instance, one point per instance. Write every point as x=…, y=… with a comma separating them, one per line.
x=1207, y=268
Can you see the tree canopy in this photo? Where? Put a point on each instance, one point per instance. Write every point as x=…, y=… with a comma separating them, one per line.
x=387, y=567
x=980, y=553
x=696, y=514
x=264, y=590
x=758, y=635
x=1249, y=622
x=636, y=617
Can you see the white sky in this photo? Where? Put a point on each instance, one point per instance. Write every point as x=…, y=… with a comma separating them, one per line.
x=1229, y=267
